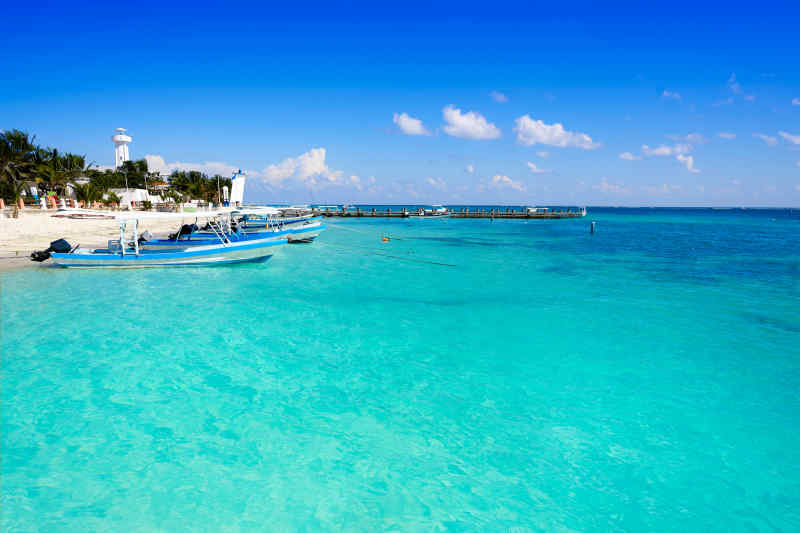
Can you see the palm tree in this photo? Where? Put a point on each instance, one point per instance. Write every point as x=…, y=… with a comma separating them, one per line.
x=87, y=194
x=16, y=192
x=111, y=199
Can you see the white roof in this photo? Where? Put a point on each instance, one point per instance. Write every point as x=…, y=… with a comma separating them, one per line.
x=256, y=210
x=143, y=215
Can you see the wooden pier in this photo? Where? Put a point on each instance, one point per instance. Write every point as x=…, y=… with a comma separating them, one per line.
x=463, y=212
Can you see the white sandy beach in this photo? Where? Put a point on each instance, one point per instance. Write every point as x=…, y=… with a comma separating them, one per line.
x=35, y=230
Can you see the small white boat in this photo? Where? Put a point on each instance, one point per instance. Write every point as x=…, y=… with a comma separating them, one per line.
x=435, y=211
x=126, y=252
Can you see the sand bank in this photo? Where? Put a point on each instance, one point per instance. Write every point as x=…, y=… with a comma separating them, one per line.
x=35, y=230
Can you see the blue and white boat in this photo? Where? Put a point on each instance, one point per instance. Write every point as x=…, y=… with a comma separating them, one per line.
x=127, y=251
x=223, y=229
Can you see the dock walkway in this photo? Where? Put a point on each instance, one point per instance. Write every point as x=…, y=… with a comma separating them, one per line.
x=460, y=213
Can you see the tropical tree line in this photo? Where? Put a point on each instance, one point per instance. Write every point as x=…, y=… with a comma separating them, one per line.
x=24, y=163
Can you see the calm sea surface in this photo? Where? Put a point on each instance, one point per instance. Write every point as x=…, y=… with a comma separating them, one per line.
x=468, y=375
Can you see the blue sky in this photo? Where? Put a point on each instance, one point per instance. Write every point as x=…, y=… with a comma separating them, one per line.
x=673, y=104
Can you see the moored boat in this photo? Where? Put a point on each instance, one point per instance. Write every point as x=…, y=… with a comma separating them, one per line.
x=435, y=211
x=127, y=251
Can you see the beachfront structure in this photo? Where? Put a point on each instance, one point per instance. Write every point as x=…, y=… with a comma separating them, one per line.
x=237, y=188
x=121, y=140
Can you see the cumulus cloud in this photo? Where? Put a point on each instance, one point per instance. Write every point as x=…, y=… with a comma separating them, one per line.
x=670, y=95
x=530, y=132
x=688, y=161
x=726, y=135
x=470, y=168
x=665, y=150
x=536, y=170
x=469, y=125
x=794, y=139
x=437, y=183
x=156, y=163
x=795, y=101
x=308, y=168
x=498, y=97
x=771, y=141
x=629, y=156
x=499, y=181
x=410, y=125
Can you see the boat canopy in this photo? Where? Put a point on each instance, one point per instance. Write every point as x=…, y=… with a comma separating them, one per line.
x=142, y=215
x=257, y=210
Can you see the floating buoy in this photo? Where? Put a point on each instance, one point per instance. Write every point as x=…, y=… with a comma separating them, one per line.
x=385, y=239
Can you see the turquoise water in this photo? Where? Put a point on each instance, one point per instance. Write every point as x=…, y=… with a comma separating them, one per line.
x=646, y=378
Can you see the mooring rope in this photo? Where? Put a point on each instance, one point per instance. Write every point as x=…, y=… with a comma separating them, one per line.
x=337, y=226
x=399, y=257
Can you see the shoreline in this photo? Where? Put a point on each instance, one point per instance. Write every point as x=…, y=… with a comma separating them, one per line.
x=33, y=230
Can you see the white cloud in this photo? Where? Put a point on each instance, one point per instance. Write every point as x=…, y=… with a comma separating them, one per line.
x=794, y=139
x=156, y=163
x=437, y=183
x=664, y=150
x=469, y=125
x=498, y=97
x=771, y=141
x=737, y=90
x=611, y=188
x=470, y=168
x=695, y=138
x=499, y=181
x=795, y=101
x=670, y=95
x=537, y=170
x=308, y=168
x=530, y=132
x=688, y=161
x=797, y=187
x=410, y=125
x=798, y=164
x=543, y=154
x=726, y=135
x=733, y=85
x=629, y=156
x=664, y=188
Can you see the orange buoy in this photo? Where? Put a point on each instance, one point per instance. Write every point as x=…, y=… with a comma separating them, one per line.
x=385, y=239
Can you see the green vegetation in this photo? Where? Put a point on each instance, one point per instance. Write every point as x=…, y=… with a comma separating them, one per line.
x=24, y=163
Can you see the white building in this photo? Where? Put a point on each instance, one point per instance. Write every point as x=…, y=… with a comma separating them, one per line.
x=120, y=140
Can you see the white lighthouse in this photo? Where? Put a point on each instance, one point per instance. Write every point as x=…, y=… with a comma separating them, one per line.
x=121, y=140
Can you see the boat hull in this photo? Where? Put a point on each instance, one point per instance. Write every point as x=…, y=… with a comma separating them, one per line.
x=294, y=234
x=216, y=254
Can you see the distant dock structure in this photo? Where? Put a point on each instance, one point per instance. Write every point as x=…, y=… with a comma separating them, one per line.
x=463, y=212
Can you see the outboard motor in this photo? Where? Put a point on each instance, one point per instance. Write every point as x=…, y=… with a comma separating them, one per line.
x=61, y=246
x=145, y=236
x=186, y=229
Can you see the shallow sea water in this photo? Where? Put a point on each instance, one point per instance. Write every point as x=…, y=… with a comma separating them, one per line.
x=645, y=378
